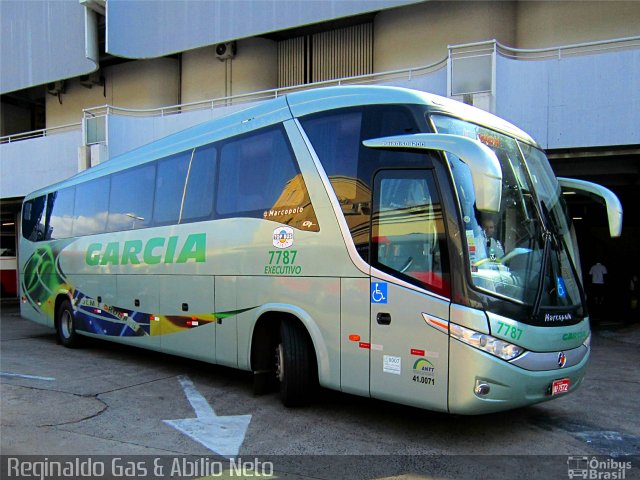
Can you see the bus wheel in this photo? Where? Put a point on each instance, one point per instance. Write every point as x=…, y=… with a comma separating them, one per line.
x=294, y=369
x=65, y=327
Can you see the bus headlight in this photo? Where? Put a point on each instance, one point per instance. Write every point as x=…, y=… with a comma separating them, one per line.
x=487, y=343
x=587, y=342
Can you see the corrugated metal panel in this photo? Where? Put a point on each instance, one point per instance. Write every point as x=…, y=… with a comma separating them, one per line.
x=340, y=53
x=292, y=62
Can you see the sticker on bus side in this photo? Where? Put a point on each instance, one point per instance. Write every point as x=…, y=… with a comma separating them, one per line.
x=379, y=292
x=283, y=237
x=471, y=243
x=391, y=364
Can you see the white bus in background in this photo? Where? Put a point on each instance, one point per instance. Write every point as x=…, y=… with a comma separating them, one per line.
x=336, y=237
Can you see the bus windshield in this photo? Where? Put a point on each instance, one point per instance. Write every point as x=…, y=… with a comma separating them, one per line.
x=522, y=253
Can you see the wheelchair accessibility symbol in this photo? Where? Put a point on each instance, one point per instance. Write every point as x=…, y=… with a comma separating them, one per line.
x=562, y=289
x=378, y=292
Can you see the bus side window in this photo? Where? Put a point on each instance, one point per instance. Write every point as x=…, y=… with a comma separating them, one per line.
x=33, y=219
x=184, y=187
x=198, y=194
x=131, y=198
x=60, y=213
x=337, y=138
x=408, y=237
x=259, y=178
x=91, y=207
x=254, y=170
x=172, y=174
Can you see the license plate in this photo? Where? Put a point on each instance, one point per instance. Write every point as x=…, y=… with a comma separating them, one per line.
x=560, y=386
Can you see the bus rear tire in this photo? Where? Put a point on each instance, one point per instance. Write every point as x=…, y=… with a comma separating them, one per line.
x=294, y=368
x=65, y=325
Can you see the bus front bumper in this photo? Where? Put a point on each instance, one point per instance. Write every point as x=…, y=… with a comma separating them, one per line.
x=481, y=383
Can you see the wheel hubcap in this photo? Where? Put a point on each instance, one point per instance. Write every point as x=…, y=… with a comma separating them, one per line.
x=279, y=363
x=66, y=324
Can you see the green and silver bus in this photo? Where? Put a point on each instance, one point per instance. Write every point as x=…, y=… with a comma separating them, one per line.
x=379, y=241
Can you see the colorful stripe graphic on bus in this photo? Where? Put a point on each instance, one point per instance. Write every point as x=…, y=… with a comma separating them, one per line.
x=44, y=280
x=94, y=317
x=101, y=319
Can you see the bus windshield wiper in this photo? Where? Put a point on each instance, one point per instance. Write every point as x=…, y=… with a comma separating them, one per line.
x=547, y=236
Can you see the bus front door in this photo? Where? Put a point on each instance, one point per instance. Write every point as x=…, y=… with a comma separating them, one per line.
x=408, y=351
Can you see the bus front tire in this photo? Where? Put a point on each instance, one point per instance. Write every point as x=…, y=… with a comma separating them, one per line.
x=294, y=368
x=65, y=325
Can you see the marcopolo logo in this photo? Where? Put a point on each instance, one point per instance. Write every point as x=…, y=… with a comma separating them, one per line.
x=559, y=317
x=156, y=250
x=283, y=237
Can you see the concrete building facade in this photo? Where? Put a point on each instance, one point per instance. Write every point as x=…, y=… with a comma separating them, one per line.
x=85, y=80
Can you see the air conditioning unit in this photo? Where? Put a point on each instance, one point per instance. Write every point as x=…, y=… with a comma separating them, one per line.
x=226, y=50
x=55, y=88
x=92, y=79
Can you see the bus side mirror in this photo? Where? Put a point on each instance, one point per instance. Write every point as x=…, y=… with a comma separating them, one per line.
x=601, y=195
x=485, y=168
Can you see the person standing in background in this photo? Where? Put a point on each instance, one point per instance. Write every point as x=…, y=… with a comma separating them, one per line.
x=597, y=272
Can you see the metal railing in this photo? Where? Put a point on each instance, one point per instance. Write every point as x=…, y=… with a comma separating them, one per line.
x=568, y=50
x=559, y=52
x=16, y=137
x=401, y=74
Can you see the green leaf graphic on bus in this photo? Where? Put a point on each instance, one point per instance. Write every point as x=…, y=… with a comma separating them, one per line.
x=43, y=278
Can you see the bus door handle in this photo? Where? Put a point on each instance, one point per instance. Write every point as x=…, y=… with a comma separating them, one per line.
x=383, y=319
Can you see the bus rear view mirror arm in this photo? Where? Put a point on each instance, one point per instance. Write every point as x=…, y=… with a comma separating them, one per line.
x=602, y=195
x=482, y=161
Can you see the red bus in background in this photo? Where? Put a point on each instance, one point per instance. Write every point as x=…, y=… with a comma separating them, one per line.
x=8, y=276
x=8, y=261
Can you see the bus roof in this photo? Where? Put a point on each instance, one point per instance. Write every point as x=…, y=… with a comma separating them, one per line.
x=296, y=104
x=316, y=100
